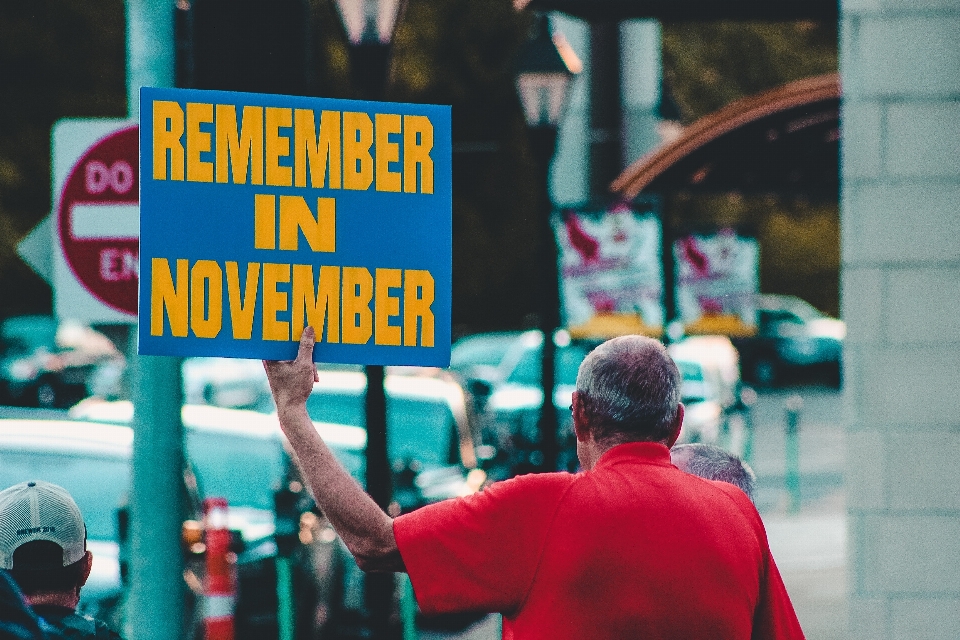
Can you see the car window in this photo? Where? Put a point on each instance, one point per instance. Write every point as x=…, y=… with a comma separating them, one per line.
x=97, y=483
x=24, y=335
x=568, y=359
x=690, y=371
x=244, y=470
x=418, y=428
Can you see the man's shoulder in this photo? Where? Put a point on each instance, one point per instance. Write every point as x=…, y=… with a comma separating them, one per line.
x=541, y=485
x=74, y=625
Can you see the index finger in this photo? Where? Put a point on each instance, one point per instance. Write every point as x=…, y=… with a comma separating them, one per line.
x=307, y=341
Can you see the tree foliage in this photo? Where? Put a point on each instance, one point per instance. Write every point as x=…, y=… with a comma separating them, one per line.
x=58, y=58
x=710, y=64
x=65, y=58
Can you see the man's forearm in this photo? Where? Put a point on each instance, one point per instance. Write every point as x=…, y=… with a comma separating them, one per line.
x=364, y=527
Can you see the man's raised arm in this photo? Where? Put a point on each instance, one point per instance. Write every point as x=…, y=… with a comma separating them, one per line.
x=364, y=527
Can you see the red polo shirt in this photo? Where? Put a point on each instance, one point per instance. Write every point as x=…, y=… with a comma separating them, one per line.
x=634, y=548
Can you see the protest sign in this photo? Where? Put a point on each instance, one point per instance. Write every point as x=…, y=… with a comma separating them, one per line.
x=262, y=214
x=717, y=283
x=611, y=270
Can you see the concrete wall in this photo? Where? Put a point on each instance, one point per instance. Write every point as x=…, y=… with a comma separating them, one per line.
x=900, y=279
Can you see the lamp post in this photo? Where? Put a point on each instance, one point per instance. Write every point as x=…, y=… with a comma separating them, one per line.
x=369, y=26
x=543, y=79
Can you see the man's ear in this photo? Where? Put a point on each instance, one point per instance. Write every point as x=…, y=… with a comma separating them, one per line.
x=85, y=567
x=580, y=426
x=675, y=429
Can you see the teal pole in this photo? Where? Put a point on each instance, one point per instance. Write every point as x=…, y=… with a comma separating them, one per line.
x=156, y=601
x=408, y=608
x=285, y=620
x=156, y=604
x=150, y=48
x=794, y=405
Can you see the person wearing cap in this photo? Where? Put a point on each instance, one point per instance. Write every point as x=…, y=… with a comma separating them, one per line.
x=43, y=545
x=710, y=462
x=631, y=547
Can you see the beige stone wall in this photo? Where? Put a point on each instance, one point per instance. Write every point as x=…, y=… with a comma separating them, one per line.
x=900, y=281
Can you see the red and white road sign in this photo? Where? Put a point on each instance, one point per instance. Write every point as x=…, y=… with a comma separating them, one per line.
x=98, y=221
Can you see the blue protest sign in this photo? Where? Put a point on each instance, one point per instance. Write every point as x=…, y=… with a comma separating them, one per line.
x=263, y=214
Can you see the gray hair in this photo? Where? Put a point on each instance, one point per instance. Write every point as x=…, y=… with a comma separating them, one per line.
x=630, y=391
x=713, y=463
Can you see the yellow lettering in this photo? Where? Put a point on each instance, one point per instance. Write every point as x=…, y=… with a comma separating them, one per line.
x=198, y=142
x=418, y=295
x=387, y=152
x=357, y=161
x=312, y=306
x=165, y=295
x=417, y=145
x=167, y=129
x=386, y=307
x=320, y=151
x=264, y=221
x=206, y=299
x=239, y=150
x=277, y=146
x=274, y=301
x=241, y=309
x=320, y=232
x=357, y=324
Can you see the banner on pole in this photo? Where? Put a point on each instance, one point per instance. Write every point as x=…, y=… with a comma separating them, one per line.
x=262, y=214
x=717, y=283
x=611, y=273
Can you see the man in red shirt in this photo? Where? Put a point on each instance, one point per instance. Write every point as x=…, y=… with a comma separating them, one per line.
x=629, y=548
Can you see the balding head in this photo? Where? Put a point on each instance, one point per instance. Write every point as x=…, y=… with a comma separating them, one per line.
x=629, y=389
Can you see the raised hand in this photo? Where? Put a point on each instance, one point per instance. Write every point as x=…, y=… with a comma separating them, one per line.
x=291, y=381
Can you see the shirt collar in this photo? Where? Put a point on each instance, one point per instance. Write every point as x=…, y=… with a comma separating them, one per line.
x=643, y=452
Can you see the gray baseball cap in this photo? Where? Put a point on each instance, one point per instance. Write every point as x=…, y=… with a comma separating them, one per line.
x=39, y=510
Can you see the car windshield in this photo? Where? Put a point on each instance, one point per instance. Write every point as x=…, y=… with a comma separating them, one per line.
x=418, y=428
x=97, y=483
x=26, y=334
x=244, y=470
x=480, y=350
x=527, y=371
x=800, y=308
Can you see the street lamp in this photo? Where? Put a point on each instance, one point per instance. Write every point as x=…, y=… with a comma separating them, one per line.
x=545, y=67
x=369, y=26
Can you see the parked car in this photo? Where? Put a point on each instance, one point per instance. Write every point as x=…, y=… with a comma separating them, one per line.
x=243, y=456
x=506, y=368
x=431, y=439
x=431, y=446
x=46, y=363
x=793, y=339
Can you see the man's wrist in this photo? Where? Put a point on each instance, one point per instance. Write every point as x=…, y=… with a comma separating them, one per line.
x=292, y=412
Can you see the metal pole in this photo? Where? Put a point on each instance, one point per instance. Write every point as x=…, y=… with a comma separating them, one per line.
x=379, y=587
x=792, y=450
x=543, y=143
x=156, y=599
x=285, y=609
x=370, y=64
x=606, y=115
x=156, y=605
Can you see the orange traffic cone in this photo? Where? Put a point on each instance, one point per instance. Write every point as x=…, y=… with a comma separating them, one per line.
x=220, y=583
